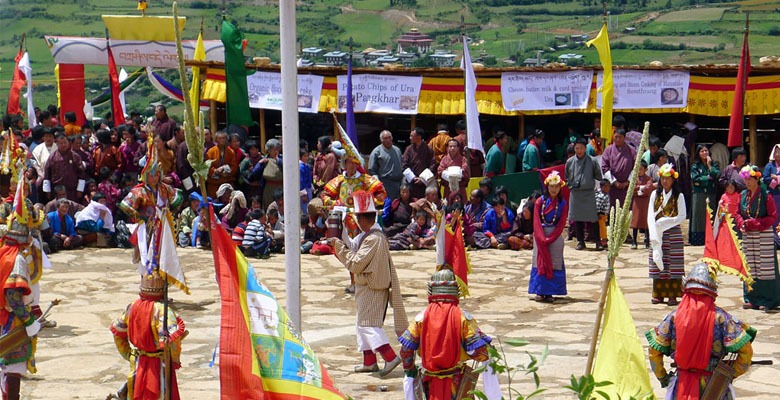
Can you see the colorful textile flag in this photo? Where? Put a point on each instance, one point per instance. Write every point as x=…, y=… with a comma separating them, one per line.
x=16, y=87
x=159, y=251
x=621, y=358
x=261, y=353
x=237, y=104
x=601, y=41
x=200, y=55
x=723, y=249
x=113, y=74
x=70, y=91
x=351, y=127
x=26, y=68
x=455, y=255
x=349, y=146
x=473, y=132
x=738, y=105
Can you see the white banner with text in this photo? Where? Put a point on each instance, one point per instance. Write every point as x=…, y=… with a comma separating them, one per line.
x=265, y=91
x=381, y=93
x=636, y=89
x=532, y=91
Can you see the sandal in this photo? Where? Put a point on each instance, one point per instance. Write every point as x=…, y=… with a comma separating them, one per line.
x=748, y=306
x=656, y=300
x=539, y=298
x=548, y=299
x=673, y=301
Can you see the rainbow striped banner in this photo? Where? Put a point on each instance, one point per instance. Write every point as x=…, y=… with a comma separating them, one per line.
x=262, y=355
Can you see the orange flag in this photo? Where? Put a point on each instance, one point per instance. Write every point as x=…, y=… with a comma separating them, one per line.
x=722, y=248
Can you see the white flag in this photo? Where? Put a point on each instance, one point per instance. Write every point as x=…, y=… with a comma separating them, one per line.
x=122, y=77
x=26, y=68
x=473, y=133
x=169, y=260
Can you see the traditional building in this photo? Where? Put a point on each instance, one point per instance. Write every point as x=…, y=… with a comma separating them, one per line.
x=414, y=40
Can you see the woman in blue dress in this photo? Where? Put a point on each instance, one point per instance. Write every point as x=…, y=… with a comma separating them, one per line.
x=548, y=274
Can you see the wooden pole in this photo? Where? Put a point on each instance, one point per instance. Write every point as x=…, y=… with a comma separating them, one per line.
x=753, y=137
x=521, y=129
x=745, y=83
x=213, y=116
x=414, y=122
x=262, y=131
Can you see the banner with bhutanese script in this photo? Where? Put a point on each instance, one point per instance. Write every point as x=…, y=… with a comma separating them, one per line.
x=391, y=94
x=262, y=355
x=128, y=53
x=646, y=89
x=530, y=91
x=265, y=91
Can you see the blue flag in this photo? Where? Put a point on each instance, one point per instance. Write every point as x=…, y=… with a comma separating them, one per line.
x=351, y=128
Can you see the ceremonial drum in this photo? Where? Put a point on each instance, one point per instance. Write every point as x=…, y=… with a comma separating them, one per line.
x=334, y=224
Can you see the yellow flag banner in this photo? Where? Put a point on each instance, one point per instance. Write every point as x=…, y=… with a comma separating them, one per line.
x=200, y=55
x=601, y=42
x=136, y=27
x=621, y=358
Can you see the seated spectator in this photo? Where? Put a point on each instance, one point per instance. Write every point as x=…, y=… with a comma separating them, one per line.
x=418, y=235
x=276, y=228
x=201, y=238
x=109, y=186
x=224, y=193
x=255, y=203
x=95, y=217
x=60, y=193
x=523, y=229
x=90, y=188
x=454, y=212
x=187, y=219
x=476, y=210
x=307, y=237
x=498, y=224
x=486, y=186
x=431, y=203
x=251, y=187
x=257, y=240
x=397, y=213
x=234, y=213
x=238, y=232
x=63, y=228
x=167, y=162
x=307, y=193
x=317, y=227
x=277, y=204
x=503, y=192
x=106, y=154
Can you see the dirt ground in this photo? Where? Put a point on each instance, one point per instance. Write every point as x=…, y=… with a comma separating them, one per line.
x=78, y=360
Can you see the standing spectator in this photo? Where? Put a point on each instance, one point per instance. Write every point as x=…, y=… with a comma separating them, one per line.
x=43, y=150
x=418, y=157
x=596, y=144
x=251, y=187
x=582, y=172
x=533, y=155
x=667, y=258
x=654, y=144
x=162, y=124
x=738, y=157
x=704, y=174
x=495, y=163
x=326, y=164
x=71, y=128
x=178, y=138
x=235, y=144
x=618, y=160
x=639, y=204
x=184, y=170
x=450, y=181
x=475, y=158
x=77, y=145
x=270, y=169
x=602, y=207
x=64, y=167
x=209, y=139
x=439, y=143
x=105, y=154
x=128, y=150
x=224, y=165
x=385, y=163
x=307, y=194
x=63, y=228
x=661, y=159
x=771, y=178
x=167, y=161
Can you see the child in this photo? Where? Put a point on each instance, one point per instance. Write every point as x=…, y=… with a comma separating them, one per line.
x=641, y=201
x=307, y=236
x=316, y=228
x=275, y=229
x=187, y=220
x=256, y=241
x=95, y=217
x=602, y=207
x=109, y=187
x=730, y=200
x=418, y=235
x=201, y=239
x=306, y=180
x=89, y=190
x=256, y=203
x=652, y=170
x=240, y=229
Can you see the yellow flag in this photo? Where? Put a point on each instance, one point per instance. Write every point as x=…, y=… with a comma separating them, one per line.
x=57, y=78
x=200, y=55
x=607, y=85
x=621, y=358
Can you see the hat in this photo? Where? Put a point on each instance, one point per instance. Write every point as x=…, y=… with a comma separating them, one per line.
x=152, y=284
x=750, y=171
x=363, y=202
x=11, y=156
x=443, y=282
x=224, y=188
x=667, y=170
x=701, y=279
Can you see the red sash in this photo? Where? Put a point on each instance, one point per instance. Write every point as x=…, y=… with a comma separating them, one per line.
x=146, y=385
x=694, y=323
x=440, y=350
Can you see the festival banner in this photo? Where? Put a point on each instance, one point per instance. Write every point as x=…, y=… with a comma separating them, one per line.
x=265, y=91
x=389, y=94
x=532, y=91
x=262, y=355
x=646, y=89
x=127, y=53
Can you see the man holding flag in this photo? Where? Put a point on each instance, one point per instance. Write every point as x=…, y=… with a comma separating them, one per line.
x=376, y=286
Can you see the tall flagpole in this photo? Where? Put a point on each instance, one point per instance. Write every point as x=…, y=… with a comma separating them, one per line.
x=290, y=170
x=744, y=63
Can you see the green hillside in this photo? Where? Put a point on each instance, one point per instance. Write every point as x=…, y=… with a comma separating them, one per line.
x=507, y=31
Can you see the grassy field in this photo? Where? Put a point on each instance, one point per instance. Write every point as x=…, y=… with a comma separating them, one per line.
x=508, y=31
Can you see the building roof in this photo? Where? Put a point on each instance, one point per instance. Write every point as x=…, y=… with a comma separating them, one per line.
x=336, y=53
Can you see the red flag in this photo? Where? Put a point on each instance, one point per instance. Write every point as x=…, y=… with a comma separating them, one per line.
x=722, y=250
x=455, y=255
x=116, y=105
x=738, y=105
x=16, y=87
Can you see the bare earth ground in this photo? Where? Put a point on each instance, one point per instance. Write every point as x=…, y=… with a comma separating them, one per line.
x=77, y=360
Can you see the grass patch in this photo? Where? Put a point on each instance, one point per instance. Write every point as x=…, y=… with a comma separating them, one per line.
x=693, y=14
